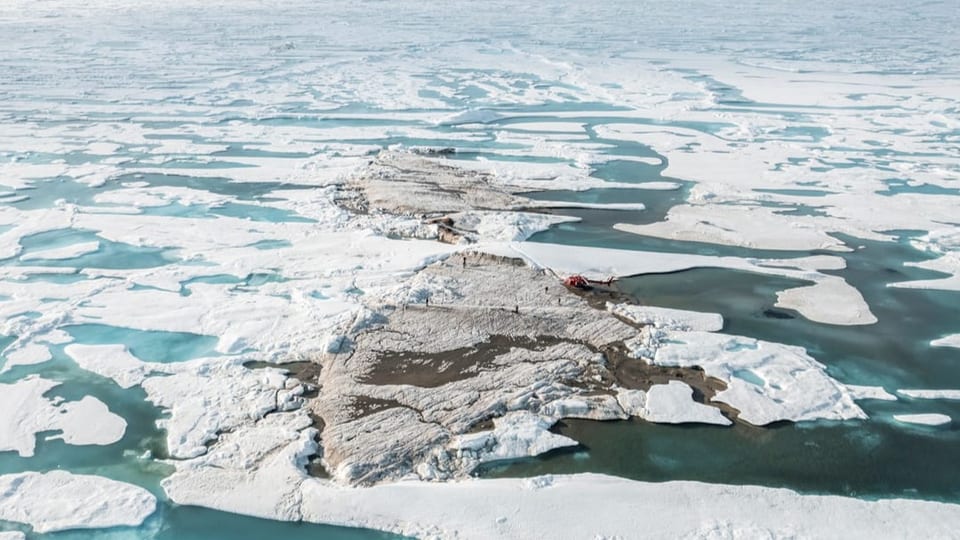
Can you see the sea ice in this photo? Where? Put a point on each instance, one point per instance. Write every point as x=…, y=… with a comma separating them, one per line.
x=923, y=419
x=576, y=506
x=670, y=403
x=947, y=341
x=59, y=500
x=870, y=392
x=63, y=253
x=516, y=434
x=766, y=381
x=930, y=394
x=24, y=413
x=26, y=355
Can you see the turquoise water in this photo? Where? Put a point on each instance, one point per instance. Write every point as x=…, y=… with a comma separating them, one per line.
x=110, y=255
x=149, y=346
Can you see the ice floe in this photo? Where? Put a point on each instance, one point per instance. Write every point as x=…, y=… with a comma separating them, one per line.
x=930, y=419
x=930, y=394
x=670, y=403
x=581, y=506
x=766, y=381
x=203, y=397
x=870, y=392
x=66, y=252
x=947, y=341
x=26, y=355
x=515, y=435
x=59, y=501
x=24, y=413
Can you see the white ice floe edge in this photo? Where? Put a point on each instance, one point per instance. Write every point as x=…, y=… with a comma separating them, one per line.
x=930, y=394
x=947, y=341
x=59, y=500
x=931, y=419
x=587, y=506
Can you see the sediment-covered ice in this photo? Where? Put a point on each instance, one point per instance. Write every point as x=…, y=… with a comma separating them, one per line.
x=59, y=500
x=24, y=413
x=930, y=419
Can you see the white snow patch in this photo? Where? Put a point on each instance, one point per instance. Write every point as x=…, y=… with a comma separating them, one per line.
x=59, y=501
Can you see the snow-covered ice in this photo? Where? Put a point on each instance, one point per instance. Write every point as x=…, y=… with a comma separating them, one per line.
x=669, y=319
x=870, y=392
x=930, y=393
x=929, y=419
x=766, y=381
x=670, y=403
x=26, y=355
x=67, y=252
x=515, y=435
x=59, y=501
x=578, y=506
x=24, y=413
x=947, y=341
